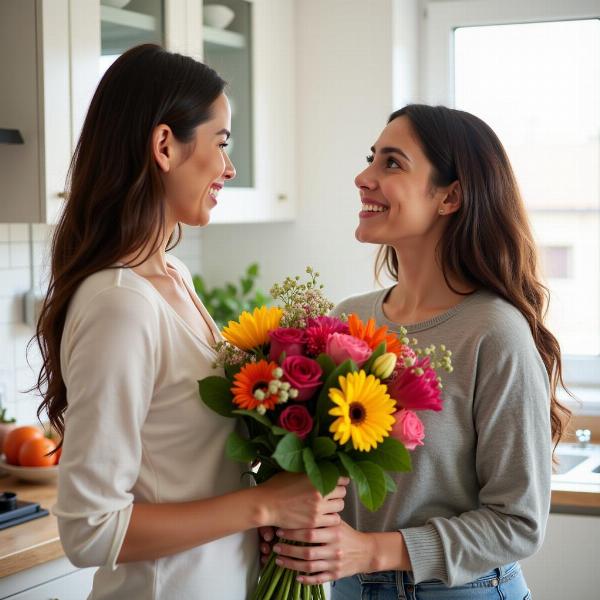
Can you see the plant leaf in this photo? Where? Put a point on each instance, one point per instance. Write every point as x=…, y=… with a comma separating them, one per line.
x=239, y=448
x=252, y=270
x=390, y=484
x=215, y=392
x=289, y=453
x=279, y=430
x=323, y=474
x=252, y=414
x=370, y=481
x=390, y=455
x=326, y=363
x=323, y=447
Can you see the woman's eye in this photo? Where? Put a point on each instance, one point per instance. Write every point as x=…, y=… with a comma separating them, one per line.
x=223, y=145
x=392, y=164
x=370, y=158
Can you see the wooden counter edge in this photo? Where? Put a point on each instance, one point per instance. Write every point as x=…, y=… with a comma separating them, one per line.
x=579, y=499
x=31, y=557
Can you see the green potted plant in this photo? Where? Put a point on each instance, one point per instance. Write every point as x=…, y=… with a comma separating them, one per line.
x=225, y=303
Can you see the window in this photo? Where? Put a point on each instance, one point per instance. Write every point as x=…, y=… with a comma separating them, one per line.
x=533, y=74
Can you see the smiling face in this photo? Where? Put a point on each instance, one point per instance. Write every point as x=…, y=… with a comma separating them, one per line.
x=399, y=204
x=193, y=174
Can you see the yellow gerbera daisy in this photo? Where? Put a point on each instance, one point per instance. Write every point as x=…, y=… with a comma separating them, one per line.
x=364, y=410
x=253, y=329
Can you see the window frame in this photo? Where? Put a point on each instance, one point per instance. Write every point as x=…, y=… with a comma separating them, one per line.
x=440, y=20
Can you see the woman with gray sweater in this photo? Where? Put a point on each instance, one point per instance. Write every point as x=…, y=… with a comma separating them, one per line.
x=439, y=196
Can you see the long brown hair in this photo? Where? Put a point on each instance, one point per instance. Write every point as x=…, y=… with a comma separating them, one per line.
x=488, y=241
x=115, y=205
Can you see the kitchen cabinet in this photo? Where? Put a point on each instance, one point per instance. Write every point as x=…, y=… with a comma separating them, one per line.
x=46, y=48
x=54, y=580
x=54, y=51
x=566, y=564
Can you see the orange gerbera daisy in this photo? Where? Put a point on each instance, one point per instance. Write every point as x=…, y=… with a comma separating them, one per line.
x=373, y=337
x=253, y=377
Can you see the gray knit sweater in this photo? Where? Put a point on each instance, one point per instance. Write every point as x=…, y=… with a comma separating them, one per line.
x=479, y=492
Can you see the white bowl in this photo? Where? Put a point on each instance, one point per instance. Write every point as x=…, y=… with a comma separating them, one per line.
x=35, y=474
x=218, y=16
x=116, y=3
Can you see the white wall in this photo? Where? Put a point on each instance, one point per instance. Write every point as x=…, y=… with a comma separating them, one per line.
x=346, y=54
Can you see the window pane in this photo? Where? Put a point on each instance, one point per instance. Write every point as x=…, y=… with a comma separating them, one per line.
x=538, y=86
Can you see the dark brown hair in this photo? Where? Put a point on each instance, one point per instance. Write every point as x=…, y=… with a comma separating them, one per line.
x=488, y=241
x=115, y=205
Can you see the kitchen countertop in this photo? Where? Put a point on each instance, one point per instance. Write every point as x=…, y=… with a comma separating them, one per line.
x=32, y=543
x=35, y=542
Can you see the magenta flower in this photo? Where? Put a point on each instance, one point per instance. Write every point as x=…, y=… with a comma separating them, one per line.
x=304, y=374
x=318, y=331
x=413, y=391
x=408, y=429
x=290, y=340
x=296, y=419
x=342, y=347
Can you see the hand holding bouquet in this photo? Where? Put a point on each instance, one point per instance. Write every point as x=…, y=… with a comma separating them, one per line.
x=323, y=396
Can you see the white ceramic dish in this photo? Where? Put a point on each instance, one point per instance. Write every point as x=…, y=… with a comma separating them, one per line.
x=218, y=16
x=35, y=474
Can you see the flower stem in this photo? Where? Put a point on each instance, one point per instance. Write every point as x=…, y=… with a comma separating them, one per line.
x=297, y=590
x=265, y=576
x=275, y=579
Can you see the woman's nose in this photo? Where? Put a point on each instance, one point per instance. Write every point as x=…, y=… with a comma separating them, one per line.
x=229, y=172
x=365, y=180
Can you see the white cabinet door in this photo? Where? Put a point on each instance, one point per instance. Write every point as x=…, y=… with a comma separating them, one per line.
x=74, y=586
x=271, y=195
x=567, y=563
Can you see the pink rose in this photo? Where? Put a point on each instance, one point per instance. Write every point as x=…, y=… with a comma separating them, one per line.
x=296, y=419
x=286, y=339
x=342, y=347
x=304, y=374
x=319, y=329
x=408, y=429
x=416, y=392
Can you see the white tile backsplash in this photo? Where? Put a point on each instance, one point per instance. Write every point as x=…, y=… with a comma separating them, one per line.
x=18, y=370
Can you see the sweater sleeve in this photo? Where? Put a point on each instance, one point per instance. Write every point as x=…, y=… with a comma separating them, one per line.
x=513, y=463
x=108, y=360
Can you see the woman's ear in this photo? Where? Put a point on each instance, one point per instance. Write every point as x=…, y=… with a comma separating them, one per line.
x=162, y=140
x=453, y=200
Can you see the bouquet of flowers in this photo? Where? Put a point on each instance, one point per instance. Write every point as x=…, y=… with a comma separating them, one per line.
x=323, y=396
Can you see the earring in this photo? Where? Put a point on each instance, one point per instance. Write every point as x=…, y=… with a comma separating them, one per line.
x=441, y=211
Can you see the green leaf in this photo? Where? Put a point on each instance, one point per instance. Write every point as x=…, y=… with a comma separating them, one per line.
x=289, y=453
x=279, y=430
x=390, y=455
x=323, y=447
x=390, y=484
x=262, y=419
x=326, y=363
x=239, y=448
x=324, y=403
x=252, y=270
x=232, y=370
x=323, y=474
x=246, y=285
x=370, y=481
x=376, y=354
x=263, y=440
x=215, y=392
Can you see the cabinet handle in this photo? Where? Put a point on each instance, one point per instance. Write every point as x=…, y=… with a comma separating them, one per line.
x=282, y=197
x=62, y=196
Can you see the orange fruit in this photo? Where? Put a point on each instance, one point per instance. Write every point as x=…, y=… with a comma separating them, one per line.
x=16, y=438
x=33, y=453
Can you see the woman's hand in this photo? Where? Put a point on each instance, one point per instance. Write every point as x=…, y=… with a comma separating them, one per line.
x=291, y=501
x=266, y=537
x=341, y=551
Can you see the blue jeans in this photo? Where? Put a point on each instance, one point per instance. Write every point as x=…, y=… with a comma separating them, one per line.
x=505, y=583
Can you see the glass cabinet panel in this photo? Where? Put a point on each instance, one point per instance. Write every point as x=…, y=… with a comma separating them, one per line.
x=127, y=23
x=227, y=37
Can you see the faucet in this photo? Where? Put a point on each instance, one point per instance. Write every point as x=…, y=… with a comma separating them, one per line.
x=584, y=436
